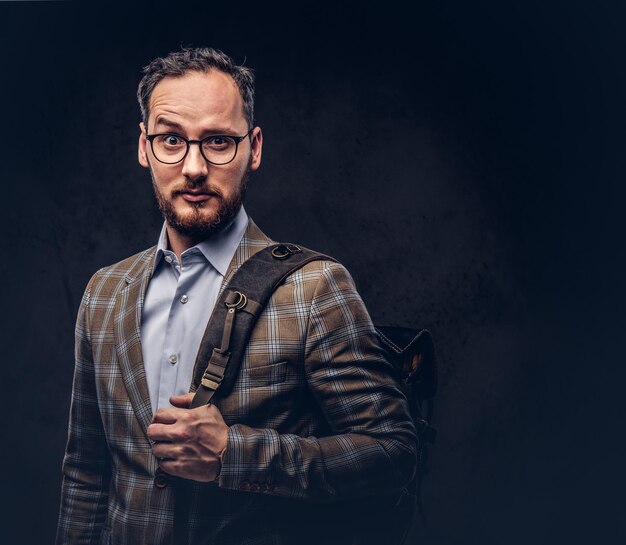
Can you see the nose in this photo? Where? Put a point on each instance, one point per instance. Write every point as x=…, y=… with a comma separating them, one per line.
x=194, y=165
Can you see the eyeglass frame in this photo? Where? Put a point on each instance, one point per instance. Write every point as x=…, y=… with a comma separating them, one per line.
x=238, y=139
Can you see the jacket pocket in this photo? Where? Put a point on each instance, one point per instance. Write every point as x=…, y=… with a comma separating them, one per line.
x=266, y=375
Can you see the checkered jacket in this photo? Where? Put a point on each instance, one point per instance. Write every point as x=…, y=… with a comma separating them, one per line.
x=318, y=432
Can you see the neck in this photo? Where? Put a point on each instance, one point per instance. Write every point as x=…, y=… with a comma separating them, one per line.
x=178, y=242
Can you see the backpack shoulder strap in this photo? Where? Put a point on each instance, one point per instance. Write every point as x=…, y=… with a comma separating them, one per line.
x=235, y=314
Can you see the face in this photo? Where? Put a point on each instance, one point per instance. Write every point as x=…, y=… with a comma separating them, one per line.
x=197, y=198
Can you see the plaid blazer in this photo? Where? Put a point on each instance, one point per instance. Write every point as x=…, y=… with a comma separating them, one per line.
x=319, y=430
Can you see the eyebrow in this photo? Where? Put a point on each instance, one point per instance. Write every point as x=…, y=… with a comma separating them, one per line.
x=170, y=124
x=178, y=127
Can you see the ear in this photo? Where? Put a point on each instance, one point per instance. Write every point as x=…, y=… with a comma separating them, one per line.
x=141, y=150
x=256, y=143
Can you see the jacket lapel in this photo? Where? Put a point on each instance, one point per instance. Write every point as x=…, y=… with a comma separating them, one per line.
x=127, y=319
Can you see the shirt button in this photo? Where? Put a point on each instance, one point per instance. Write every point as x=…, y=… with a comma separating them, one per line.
x=184, y=299
x=173, y=359
x=168, y=258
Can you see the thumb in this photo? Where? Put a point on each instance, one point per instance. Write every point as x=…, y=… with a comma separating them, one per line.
x=182, y=401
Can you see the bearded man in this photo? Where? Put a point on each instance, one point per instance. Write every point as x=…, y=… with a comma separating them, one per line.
x=315, y=424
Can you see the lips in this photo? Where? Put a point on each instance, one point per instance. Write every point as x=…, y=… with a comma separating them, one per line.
x=196, y=196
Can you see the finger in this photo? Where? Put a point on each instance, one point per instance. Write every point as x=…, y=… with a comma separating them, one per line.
x=164, y=450
x=167, y=415
x=170, y=466
x=182, y=401
x=162, y=432
x=164, y=416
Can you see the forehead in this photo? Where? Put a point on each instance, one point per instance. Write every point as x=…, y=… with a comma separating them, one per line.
x=198, y=98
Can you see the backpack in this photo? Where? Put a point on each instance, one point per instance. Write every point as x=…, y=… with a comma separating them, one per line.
x=411, y=352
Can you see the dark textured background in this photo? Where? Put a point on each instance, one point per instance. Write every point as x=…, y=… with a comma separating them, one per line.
x=465, y=160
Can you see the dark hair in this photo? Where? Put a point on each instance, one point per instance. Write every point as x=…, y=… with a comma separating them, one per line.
x=200, y=59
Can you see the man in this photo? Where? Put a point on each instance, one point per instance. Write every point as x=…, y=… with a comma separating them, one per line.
x=315, y=426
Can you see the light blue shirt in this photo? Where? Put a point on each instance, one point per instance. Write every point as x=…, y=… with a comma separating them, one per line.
x=178, y=305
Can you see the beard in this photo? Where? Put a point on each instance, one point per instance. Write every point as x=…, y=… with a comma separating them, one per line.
x=198, y=225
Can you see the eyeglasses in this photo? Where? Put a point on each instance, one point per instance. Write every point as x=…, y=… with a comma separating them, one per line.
x=219, y=149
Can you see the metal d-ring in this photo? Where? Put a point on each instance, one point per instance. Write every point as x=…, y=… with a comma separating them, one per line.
x=285, y=250
x=239, y=303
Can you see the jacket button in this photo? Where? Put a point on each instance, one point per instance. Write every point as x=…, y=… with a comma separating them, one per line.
x=245, y=485
x=255, y=487
x=160, y=478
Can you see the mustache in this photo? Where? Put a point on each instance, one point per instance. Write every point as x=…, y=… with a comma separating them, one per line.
x=198, y=188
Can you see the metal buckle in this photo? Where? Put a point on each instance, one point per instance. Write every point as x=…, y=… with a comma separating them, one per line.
x=239, y=303
x=285, y=250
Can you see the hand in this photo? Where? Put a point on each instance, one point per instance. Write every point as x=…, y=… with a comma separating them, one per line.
x=187, y=441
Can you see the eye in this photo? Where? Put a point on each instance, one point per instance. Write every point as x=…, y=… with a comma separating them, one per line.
x=218, y=143
x=172, y=140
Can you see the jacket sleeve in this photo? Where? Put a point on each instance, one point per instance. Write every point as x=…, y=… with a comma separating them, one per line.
x=371, y=447
x=85, y=465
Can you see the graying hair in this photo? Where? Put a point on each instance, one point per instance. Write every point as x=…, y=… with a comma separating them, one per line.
x=200, y=59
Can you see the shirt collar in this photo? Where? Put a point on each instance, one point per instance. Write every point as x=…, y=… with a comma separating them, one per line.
x=218, y=249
